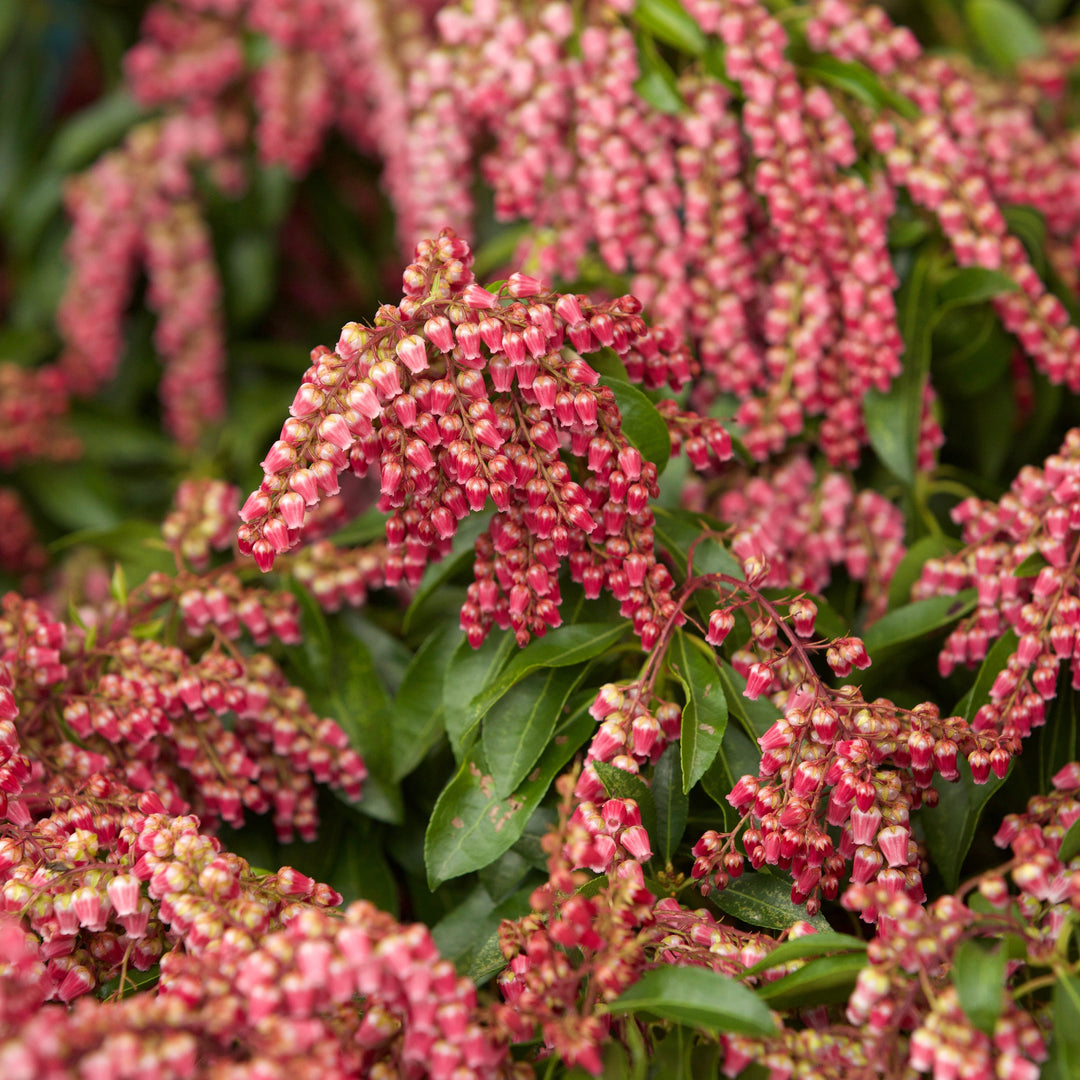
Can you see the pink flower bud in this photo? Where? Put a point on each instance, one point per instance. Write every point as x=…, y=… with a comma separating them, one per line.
x=636, y=841
x=477, y=297
x=353, y=339
x=124, y=892
x=303, y=483
x=335, y=430
x=520, y=286
x=384, y=375
x=277, y=534
x=569, y=310
x=279, y=457
x=758, y=680
x=256, y=504
x=309, y=399
x=291, y=506
x=893, y=842
x=440, y=333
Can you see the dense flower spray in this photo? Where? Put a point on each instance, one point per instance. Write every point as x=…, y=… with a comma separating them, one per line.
x=461, y=395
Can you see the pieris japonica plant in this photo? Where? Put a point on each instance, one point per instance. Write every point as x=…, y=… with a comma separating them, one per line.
x=642, y=642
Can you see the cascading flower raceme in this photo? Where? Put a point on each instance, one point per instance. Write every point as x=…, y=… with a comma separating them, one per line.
x=460, y=395
x=1020, y=556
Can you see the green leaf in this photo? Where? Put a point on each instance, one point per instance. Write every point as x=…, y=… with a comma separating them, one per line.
x=623, y=785
x=697, y=997
x=764, y=900
x=669, y=21
x=678, y=529
x=92, y=130
x=738, y=757
x=825, y=981
x=519, y=725
x=1070, y=842
x=672, y=805
x=907, y=573
x=642, y=423
x=418, y=708
x=359, y=870
x=1065, y=1049
x=823, y=944
x=461, y=557
x=978, y=973
x=950, y=826
x=470, y=827
x=1004, y=31
x=468, y=672
x=892, y=418
x=1031, y=566
x=562, y=647
x=657, y=86
x=916, y=620
x=857, y=80
x=1057, y=739
x=973, y=285
x=705, y=713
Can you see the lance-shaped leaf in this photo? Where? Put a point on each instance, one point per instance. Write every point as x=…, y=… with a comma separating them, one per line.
x=563, y=647
x=764, y=900
x=520, y=724
x=705, y=714
x=471, y=827
x=697, y=997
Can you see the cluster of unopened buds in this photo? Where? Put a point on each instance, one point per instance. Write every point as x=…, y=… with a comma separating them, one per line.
x=1020, y=556
x=635, y=728
x=150, y=715
x=460, y=395
x=573, y=941
x=833, y=759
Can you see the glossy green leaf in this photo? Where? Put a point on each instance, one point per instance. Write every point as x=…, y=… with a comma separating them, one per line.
x=470, y=827
x=1005, y=32
x=1058, y=741
x=92, y=130
x=461, y=557
x=705, y=713
x=764, y=900
x=824, y=981
x=950, y=826
x=672, y=804
x=1031, y=566
x=468, y=672
x=519, y=725
x=562, y=647
x=908, y=571
x=973, y=285
x=676, y=530
x=857, y=80
x=642, y=423
x=623, y=785
x=418, y=711
x=697, y=997
x=823, y=944
x=657, y=86
x=1070, y=842
x=1065, y=1048
x=978, y=973
x=917, y=620
x=669, y=22
x=738, y=757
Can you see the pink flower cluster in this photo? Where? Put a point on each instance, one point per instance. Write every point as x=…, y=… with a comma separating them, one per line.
x=460, y=395
x=832, y=759
x=1020, y=555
